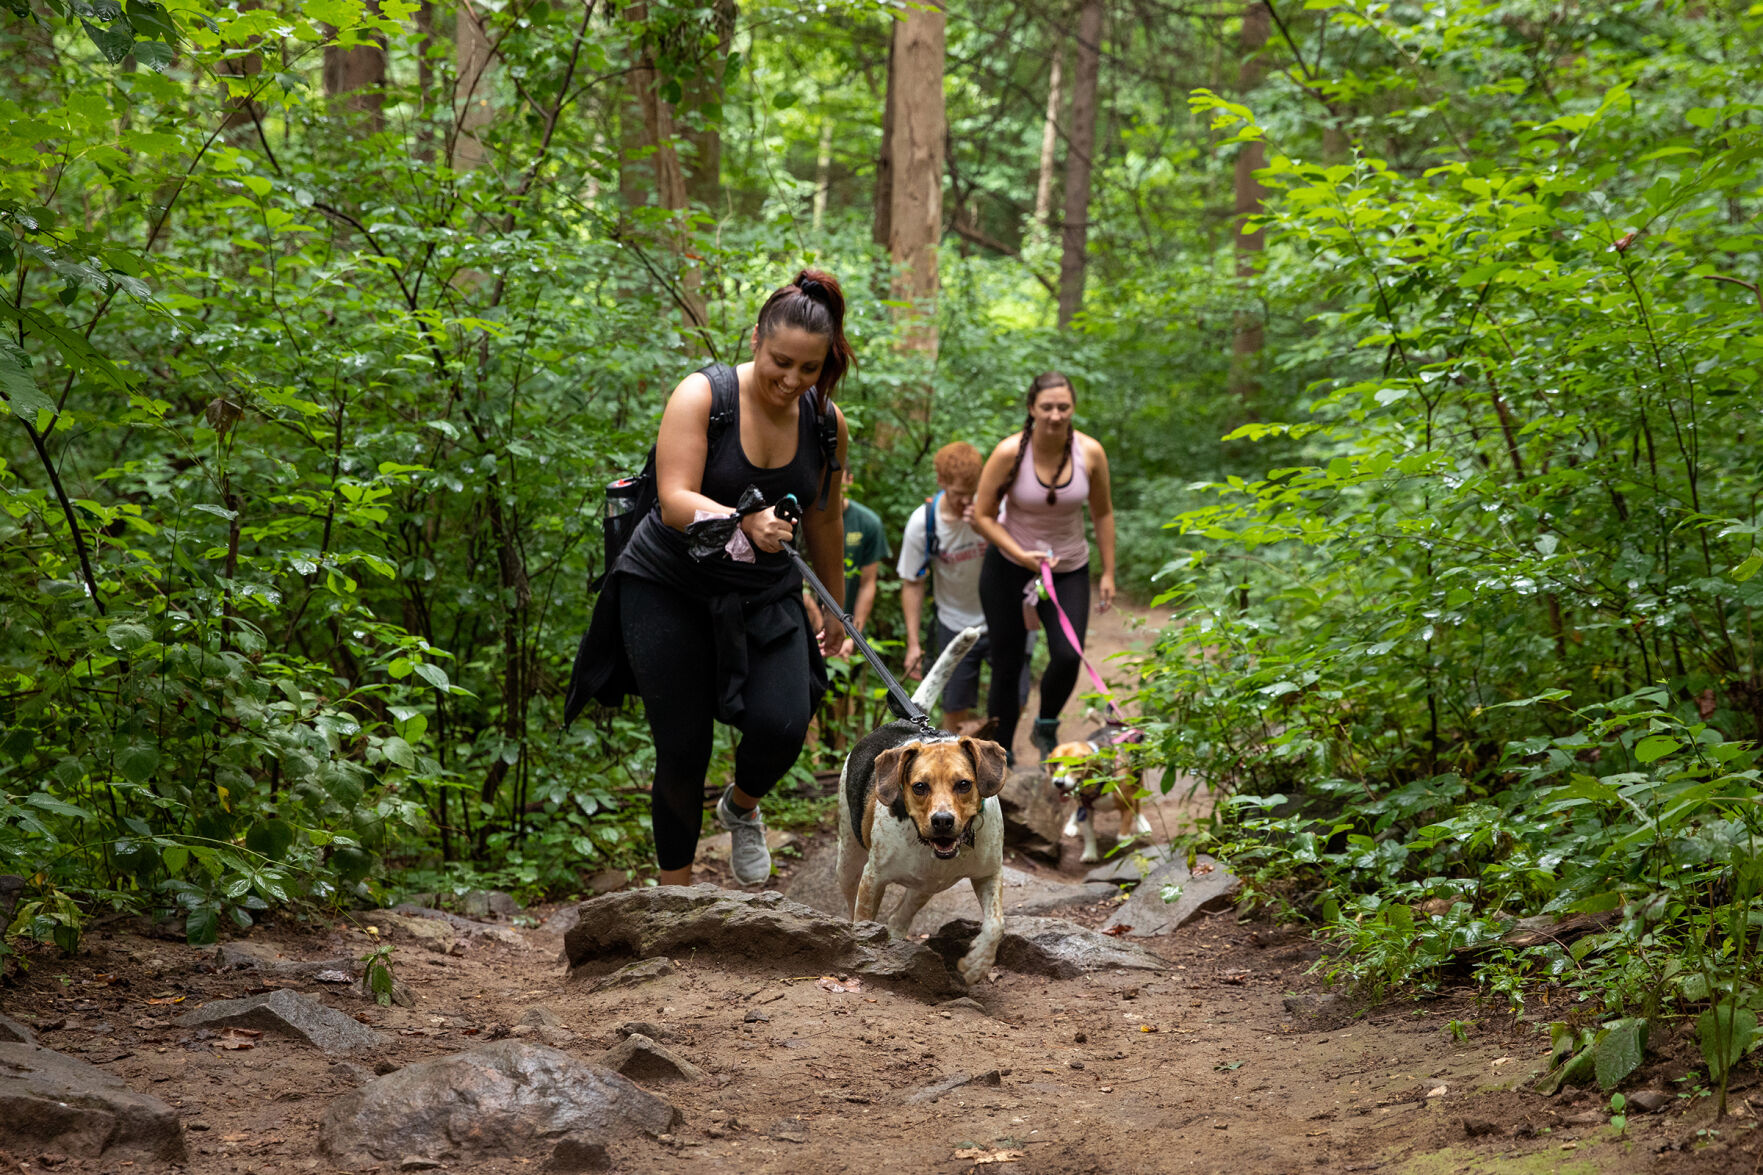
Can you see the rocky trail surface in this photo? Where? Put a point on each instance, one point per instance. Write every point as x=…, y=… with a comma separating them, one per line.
x=708, y=1029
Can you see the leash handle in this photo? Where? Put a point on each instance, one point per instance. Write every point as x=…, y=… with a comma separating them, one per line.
x=1070, y=631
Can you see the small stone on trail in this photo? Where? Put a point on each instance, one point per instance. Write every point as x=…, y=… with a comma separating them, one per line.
x=12, y=1031
x=931, y=1093
x=756, y=1017
x=430, y=933
x=631, y=974
x=556, y=1037
x=417, y=1163
x=500, y=1099
x=1477, y=1127
x=789, y=1130
x=574, y=1153
x=287, y=1013
x=641, y=1059
x=965, y=1001
x=1650, y=1101
x=351, y=1072
x=51, y=1101
x=645, y=1028
x=539, y=1016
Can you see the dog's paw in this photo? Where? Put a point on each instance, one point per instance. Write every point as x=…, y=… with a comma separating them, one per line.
x=1091, y=855
x=1143, y=826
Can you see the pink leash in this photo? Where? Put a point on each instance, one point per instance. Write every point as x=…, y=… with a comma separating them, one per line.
x=1115, y=717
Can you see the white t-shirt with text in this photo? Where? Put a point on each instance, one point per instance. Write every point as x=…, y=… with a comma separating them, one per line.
x=955, y=571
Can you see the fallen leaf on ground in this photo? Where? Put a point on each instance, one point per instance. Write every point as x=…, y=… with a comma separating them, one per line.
x=169, y=999
x=1117, y=931
x=1501, y=1061
x=1201, y=869
x=237, y=1038
x=839, y=985
x=978, y=1154
x=1436, y=1091
x=333, y=977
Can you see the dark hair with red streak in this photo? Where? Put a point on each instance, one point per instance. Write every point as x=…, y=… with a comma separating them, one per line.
x=813, y=302
x=1045, y=382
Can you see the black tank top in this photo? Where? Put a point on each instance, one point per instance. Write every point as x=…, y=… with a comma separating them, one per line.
x=727, y=472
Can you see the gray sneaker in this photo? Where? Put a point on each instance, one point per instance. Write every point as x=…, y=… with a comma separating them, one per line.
x=748, y=857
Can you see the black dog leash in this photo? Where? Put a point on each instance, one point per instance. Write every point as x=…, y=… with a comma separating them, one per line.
x=789, y=510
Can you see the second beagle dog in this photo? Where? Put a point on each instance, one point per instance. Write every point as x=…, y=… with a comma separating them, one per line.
x=1088, y=768
x=921, y=812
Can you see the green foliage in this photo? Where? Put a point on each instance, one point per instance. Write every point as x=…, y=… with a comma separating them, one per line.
x=1479, y=644
x=376, y=978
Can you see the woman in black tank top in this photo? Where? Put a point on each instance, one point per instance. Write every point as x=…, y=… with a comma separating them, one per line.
x=726, y=637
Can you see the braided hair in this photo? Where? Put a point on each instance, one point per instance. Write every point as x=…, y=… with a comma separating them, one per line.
x=1042, y=383
x=813, y=302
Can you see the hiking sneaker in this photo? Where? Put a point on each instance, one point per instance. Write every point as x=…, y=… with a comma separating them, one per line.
x=748, y=857
x=1045, y=735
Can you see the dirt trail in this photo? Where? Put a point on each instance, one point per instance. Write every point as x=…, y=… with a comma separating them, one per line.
x=1204, y=1068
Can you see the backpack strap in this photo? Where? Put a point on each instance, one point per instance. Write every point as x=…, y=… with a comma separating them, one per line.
x=932, y=548
x=725, y=398
x=826, y=427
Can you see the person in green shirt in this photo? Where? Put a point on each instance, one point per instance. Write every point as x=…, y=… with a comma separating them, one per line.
x=866, y=545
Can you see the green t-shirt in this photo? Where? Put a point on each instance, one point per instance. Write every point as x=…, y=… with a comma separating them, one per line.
x=865, y=543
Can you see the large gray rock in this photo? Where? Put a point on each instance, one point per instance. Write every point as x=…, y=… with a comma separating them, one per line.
x=1024, y=894
x=1033, y=815
x=49, y=1102
x=1130, y=866
x=1048, y=946
x=1208, y=888
x=288, y=1013
x=504, y=1099
x=763, y=929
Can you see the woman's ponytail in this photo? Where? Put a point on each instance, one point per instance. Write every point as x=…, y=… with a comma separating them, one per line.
x=813, y=302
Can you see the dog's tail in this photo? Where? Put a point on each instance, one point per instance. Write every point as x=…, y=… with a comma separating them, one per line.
x=931, y=688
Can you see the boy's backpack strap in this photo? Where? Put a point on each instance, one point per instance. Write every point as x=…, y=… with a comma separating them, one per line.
x=725, y=398
x=932, y=548
x=826, y=427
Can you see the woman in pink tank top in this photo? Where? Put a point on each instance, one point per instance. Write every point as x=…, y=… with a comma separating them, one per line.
x=1029, y=507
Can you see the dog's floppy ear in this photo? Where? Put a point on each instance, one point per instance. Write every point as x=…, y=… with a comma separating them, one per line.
x=891, y=767
x=988, y=764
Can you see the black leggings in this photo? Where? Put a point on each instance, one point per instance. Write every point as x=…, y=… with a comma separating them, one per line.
x=1001, y=584
x=668, y=638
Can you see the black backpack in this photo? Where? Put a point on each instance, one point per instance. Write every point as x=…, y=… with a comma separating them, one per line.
x=630, y=498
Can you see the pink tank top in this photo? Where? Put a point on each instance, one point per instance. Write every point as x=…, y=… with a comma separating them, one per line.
x=1058, y=528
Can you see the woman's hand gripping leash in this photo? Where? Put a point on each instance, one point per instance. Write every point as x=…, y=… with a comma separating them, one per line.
x=789, y=510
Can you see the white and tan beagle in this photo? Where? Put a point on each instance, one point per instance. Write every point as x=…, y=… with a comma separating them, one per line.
x=1082, y=772
x=921, y=812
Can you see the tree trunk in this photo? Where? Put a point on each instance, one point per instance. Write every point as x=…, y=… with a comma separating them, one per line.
x=472, y=108
x=359, y=71
x=425, y=82
x=241, y=111
x=704, y=97
x=1043, y=224
x=884, y=161
x=1079, y=156
x=649, y=168
x=1251, y=157
x=915, y=210
x=823, y=173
